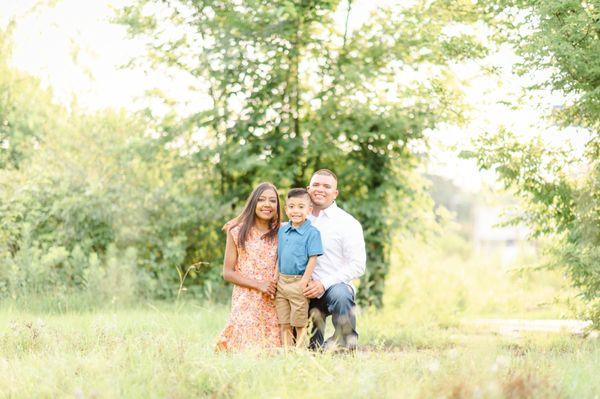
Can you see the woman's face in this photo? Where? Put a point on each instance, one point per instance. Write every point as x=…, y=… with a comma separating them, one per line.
x=266, y=205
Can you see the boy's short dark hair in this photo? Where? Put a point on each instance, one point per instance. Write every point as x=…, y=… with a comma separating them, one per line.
x=297, y=192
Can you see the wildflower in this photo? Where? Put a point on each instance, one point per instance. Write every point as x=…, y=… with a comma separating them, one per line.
x=433, y=366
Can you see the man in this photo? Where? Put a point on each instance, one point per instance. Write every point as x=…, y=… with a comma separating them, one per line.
x=343, y=260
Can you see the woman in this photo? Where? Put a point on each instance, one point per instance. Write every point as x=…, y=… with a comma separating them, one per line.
x=250, y=264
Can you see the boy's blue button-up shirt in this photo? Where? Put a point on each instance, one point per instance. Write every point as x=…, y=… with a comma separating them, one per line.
x=295, y=246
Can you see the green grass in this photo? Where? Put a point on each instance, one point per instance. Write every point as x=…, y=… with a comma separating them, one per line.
x=166, y=351
x=419, y=346
x=430, y=282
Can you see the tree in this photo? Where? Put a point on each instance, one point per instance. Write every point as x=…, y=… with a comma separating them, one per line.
x=25, y=109
x=290, y=93
x=561, y=193
x=89, y=195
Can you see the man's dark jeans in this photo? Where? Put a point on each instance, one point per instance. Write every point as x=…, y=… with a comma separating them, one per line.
x=337, y=301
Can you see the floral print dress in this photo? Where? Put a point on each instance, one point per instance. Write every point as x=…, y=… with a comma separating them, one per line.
x=253, y=321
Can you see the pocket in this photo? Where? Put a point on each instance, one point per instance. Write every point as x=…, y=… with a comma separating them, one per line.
x=297, y=294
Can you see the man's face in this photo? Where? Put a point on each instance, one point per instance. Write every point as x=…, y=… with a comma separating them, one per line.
x=297, y=209
x=322, y=190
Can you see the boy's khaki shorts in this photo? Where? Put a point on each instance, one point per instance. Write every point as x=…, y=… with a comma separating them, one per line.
x=290, y=303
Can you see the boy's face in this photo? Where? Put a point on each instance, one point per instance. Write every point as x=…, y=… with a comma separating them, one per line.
x=298, y=208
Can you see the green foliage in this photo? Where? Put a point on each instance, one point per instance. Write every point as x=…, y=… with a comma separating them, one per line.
x=26, y=110
x=561, y=194
x=291, y=93
x=560, y=198
x=562, y=38
x=97, y=203
x=101, y=183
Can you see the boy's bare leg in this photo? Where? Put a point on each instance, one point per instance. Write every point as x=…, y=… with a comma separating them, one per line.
x=287, y=338
x=301, y=337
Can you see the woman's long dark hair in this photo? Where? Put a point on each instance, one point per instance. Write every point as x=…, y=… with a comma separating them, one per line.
x=246, y=218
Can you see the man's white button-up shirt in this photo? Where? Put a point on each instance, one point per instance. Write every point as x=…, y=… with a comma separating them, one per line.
x=344, y=256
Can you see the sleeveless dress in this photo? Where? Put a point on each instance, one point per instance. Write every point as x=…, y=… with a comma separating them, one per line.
x=253, y=321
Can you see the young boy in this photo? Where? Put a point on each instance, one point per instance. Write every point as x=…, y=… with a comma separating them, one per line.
x=299, y=244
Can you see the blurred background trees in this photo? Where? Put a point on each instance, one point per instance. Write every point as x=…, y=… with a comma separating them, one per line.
x=559, y=188
x=290, y=94
x=91, y=202
x=119, y=205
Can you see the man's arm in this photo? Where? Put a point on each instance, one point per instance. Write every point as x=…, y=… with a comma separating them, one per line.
x=355, y=257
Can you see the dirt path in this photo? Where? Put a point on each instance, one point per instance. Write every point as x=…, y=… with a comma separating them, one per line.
x=516, y=326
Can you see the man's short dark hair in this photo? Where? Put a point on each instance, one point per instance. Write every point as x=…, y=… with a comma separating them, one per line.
x=297, y=192
x=325, y=172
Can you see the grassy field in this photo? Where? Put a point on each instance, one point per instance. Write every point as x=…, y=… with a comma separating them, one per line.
x=421, y=345
x=166, y=351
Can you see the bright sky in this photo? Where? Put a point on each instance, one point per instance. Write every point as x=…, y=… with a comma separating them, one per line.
x=74, y=48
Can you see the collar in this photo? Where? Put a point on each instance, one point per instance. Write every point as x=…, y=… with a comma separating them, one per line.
x=303, y=227
x=329, y=211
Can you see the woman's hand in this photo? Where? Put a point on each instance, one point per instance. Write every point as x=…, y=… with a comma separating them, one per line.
x=267, y=287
